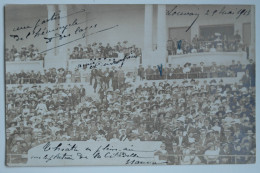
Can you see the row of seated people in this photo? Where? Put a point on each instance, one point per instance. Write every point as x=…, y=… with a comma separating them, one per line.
x=193, y=71
x=212, y=43
x=62, y=75
x=103, y=51
x=198, y=124
x=30, y=53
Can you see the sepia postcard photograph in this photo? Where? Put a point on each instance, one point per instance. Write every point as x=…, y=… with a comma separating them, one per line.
x=129, y=84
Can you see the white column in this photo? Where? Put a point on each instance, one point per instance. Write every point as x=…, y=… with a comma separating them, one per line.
x=252, y=42
x=148, y=28
x=51, y=26
x=162, y=32
x=63, y=50
x=238, y=26
x=195, y=30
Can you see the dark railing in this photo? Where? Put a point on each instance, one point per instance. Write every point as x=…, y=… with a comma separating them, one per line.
x=77, y=79
x=190, y=75
x=36, y=80
x=205, y=46
x=110, y=55
x=8, y=59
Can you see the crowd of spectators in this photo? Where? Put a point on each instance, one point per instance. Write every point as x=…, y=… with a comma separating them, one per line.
x=198, y=122
x=193, y=71
x=51, y=75
x=212, y=43
x=30, y=53
x=103, y=51
x=96, y=76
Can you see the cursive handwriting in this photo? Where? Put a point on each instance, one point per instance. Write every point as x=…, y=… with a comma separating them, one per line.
x=138, y=162
x=112, y=152
x=224, y=11
x=18, y=28
x=174, y=12
x=81, y=156
x=78, y=152
x=54, y=16
x=39, y=30
x=58, y=156
x=120, y=154
x=95, y=64
x=237, y=13
x=83, y=35
x=60, y=147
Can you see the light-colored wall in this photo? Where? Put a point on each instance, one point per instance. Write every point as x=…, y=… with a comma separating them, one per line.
x=130, y=21
x=20, y=16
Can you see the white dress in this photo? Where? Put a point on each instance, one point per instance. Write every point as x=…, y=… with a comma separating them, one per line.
x=68, y=78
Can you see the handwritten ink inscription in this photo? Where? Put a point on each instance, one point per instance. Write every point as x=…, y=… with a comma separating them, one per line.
x=103, y=62
x=45, y=31
x=94, y=153
x=224, y=11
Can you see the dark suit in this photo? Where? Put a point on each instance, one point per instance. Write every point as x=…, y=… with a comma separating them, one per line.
x=181, y=141
x=82, y=93
x=175, y=156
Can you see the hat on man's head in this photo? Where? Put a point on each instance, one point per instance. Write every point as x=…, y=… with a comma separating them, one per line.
x=187, y=64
